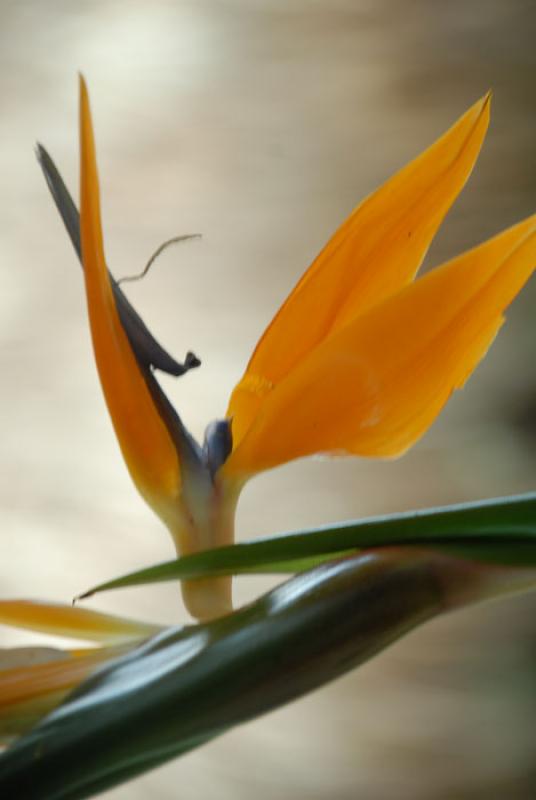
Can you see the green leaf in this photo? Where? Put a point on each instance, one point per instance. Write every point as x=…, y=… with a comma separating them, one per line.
x=500, y=530
x=186, y=686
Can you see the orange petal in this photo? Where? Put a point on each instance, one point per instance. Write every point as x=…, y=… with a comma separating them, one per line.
x=374, y=387
x=72, y=622
x=144, y=439
x=376, y=252
x=28, y=693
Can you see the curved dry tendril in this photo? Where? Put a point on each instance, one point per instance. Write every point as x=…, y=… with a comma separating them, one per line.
x=175, y=240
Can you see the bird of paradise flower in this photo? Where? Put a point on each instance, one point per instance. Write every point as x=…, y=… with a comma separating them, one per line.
x=360, y=359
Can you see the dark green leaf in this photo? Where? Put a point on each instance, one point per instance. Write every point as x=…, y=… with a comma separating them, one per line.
x=501, y=530
x=186, y=686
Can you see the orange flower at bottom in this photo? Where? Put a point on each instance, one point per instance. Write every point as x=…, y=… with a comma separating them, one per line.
x=34, y=680
x=360, y=358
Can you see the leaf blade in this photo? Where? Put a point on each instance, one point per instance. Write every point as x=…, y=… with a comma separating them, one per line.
x=483, y=523
x=187, y=686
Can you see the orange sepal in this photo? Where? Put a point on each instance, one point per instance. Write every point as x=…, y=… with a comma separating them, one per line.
x=28, y=693
x=25, y=683
x=374, y=388
x=144, y=439
x=376, y=252
x=73, y=622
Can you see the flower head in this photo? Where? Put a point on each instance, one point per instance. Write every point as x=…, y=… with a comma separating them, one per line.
x=360, y=358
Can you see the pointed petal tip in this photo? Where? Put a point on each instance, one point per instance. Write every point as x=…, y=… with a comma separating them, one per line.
x=477, y=117
x=83, y=94
x=482, y=107
x=486, y=100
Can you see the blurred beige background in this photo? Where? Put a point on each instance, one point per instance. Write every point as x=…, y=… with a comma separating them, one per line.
x=260, y=125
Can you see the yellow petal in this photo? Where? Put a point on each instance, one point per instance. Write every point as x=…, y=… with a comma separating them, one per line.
x=16, y=657
x=374, y=387
x=376, y=252
x=72, y=622
x=144, y=439
x=28, y=693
